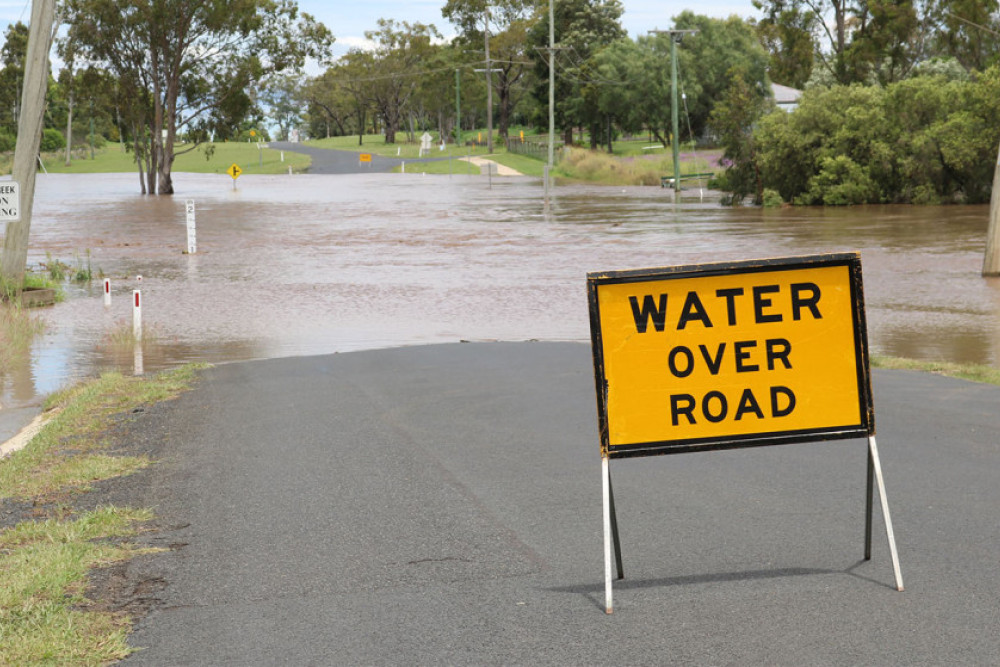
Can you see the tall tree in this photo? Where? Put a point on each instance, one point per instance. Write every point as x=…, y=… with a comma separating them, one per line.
x=711, y=54
x=398, y=60
x=191, y=56
x=786, y=31
x=508, y=22
x=15, y=47
x=967, y=31
x=582, y=29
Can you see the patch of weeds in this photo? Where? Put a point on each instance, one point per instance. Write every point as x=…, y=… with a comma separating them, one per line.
x=83, y=274
x=56, y=268
x=45, y=566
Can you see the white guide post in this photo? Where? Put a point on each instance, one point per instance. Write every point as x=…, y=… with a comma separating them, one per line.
x=137, y=315
x=873, y=450
x=606, y=485
x=192, y=242
x=107, y=291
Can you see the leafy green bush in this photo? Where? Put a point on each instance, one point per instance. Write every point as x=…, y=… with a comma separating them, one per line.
x=52, y=140
x=7, y=142
x=929, y=139
x=771, y=199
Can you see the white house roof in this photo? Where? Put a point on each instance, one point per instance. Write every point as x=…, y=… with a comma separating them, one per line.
x=784, y=94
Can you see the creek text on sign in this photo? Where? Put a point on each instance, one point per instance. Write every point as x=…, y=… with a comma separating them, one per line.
x=751, y=353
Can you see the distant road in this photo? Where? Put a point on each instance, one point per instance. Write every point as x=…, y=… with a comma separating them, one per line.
x=328, y=161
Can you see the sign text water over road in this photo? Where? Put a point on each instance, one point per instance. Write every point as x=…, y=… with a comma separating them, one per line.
x=743, y=353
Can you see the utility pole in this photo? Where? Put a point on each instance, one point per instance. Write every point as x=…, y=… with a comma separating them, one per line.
x=458, y=107
x=675, y=36
x=991, y=259
x=489, y=88
x=29, y=133
x=552, y=88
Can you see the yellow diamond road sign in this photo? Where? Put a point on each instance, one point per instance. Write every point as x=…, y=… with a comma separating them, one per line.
x=234, y=171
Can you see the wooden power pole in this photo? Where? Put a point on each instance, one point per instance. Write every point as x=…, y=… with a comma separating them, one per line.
x=29, y=137
x=991, y=260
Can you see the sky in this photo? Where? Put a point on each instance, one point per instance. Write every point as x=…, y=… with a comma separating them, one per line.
x=348, y=21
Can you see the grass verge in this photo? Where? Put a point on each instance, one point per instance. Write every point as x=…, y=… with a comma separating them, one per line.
x=973, y=372
x=45, y=557
x=68, y=451
x=44, y=569
x=114, y=159
x=452, y=166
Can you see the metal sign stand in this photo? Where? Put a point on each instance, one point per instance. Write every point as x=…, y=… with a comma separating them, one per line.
x=611, y=538
x=875, y=470
x=610, y=533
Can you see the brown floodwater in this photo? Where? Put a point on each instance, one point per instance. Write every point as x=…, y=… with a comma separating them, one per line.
x=298, y=265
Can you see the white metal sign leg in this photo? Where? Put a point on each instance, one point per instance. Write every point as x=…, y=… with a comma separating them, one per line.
x=873, y=449
x=606, y=485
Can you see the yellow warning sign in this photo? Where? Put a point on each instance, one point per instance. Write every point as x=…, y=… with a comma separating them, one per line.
x=365, y=157
x=234, y=171
x=730, y=355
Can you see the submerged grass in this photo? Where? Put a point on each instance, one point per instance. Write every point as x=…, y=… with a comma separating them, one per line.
x=18, y=329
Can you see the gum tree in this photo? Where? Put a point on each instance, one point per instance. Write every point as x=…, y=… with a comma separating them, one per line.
x=190, y=58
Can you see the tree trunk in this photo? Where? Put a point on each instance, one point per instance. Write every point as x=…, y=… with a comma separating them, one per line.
x=137, y=149
x=29, y=138
x=504, y=110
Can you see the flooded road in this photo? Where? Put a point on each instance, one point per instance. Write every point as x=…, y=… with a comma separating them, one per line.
x=297, y=265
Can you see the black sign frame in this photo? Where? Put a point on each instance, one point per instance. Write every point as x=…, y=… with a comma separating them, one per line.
x=865, y=425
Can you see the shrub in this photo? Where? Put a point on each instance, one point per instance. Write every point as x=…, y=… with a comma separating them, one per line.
x=7, y=142
x=52, y=140
x=771, y=199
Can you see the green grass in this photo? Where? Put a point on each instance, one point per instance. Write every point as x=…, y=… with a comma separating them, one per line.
x=43, y=570
x=112, y=159
x=375, y=144
x=69, y=450
x=973, y=372
x=453, y=166
x=44, y=563
x=525, y=164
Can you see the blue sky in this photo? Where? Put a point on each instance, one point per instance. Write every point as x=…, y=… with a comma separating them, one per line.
x=349, y=20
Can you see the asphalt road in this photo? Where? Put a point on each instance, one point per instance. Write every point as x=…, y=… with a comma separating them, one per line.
x=327, y=161
x=442, y=505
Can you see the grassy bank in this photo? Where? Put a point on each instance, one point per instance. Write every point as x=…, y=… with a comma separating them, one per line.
x=48, y=546
x=205, y=159
x=973, y=372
